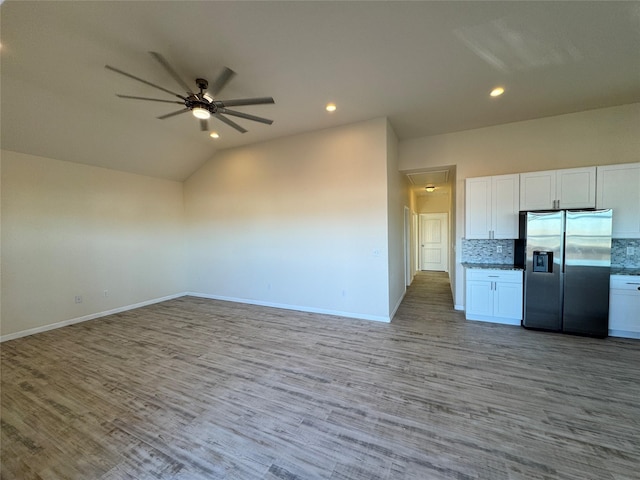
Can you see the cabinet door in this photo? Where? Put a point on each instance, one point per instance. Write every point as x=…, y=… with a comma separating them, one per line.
x=576, y=187
x=479, y=298
x=537, y=190
x=624, y=310
x=478, y=207
x=619, y=189
x=507, y=300
x=505, y=205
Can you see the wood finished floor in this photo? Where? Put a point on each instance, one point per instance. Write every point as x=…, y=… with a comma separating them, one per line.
x=202, y=389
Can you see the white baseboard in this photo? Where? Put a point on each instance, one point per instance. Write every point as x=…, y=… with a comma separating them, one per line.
x=395, y=309
x=624, y=334
x=298, y=308
x=84, y=318
x=485, y=318
x=459, y=307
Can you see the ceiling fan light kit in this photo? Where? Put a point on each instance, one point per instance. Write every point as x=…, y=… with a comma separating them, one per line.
x=201, y=104
x=201, y=113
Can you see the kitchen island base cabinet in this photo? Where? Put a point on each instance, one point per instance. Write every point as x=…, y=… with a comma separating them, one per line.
x=624, y=306
x=494, y=296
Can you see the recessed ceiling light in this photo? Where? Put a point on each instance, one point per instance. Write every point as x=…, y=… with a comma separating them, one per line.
x=496, y=92
x=331, y=107
x=214, y=135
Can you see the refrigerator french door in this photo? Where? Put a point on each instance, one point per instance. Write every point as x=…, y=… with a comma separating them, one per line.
x=567, y=268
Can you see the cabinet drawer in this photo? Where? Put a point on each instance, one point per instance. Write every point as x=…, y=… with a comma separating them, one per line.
x=625, y=282
x=514, y=276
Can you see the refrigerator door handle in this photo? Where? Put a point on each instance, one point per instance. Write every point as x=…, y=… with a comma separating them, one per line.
x=563, y=252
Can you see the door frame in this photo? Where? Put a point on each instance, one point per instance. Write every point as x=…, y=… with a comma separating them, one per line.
x=444, y=232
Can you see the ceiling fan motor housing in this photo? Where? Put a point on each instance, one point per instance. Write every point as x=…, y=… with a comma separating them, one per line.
x=199, y=99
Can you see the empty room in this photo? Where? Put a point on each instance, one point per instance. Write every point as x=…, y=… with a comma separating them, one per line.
x=343, y=240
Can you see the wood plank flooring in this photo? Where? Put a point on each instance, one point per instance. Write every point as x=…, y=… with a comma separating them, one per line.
x=202, y=389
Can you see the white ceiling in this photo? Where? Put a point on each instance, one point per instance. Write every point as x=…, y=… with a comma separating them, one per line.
x=427, y=66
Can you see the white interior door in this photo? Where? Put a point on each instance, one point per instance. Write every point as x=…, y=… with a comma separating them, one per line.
x=433, y=241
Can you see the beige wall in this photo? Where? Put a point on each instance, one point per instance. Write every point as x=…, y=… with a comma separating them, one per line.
x=312, y=221
x=596, y=137
x=434, y=203
x=298, y=222
x=71, y=229
x=398, y=197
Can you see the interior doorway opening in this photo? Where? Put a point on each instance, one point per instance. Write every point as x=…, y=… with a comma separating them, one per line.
x=433, y=239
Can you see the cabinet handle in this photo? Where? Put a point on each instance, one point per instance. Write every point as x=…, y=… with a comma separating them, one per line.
x=633, y=283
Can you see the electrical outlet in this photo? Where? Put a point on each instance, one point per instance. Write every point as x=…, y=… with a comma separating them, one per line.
x=105, y=293
x=499, y=249
x=630, y=251
x=78, y=299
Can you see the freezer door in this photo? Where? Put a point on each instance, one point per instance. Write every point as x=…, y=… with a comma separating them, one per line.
x=587, y=270
x=543, y=271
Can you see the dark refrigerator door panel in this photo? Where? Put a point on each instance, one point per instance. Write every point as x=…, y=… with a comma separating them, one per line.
x=543, y=301
x=586, y=301
x=587, y=269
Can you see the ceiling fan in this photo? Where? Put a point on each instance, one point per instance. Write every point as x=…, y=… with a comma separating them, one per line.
x=202, y=103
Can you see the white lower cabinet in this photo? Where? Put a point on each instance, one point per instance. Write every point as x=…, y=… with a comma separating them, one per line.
x=624, y=306
x=494, y=296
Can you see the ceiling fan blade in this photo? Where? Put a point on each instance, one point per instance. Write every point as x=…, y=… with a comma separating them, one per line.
x=109, y=67
x=204, y=125
x=167, y=115
x=171, y=71
x=245, y=115
x=230, y=123
x=150, y=99
x=243, y=101
x=219, y=83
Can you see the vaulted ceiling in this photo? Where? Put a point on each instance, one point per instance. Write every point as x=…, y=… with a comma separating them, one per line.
x=427, y=66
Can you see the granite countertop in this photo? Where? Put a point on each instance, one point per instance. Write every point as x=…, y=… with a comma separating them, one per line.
x=625, y=271
x=491, y=266
x=501, y=266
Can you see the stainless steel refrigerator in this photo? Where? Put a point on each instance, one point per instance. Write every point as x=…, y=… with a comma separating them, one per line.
x=567, y=268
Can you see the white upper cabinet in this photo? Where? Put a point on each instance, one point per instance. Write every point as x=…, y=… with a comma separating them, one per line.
x=555, y=189
x=492, y=205
x=619, y=189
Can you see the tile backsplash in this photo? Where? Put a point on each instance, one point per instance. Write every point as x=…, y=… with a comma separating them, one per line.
x=619, y=257
x=486, y=251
